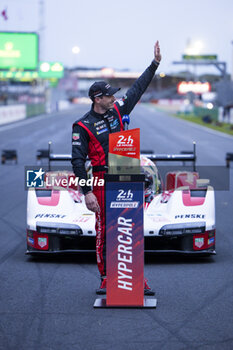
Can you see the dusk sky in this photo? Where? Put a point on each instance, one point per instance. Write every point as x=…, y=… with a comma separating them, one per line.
x=121, y=34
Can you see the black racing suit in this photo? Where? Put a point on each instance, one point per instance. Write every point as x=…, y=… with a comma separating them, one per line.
x=90, y=138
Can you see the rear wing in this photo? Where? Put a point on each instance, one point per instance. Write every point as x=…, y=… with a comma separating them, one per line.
x=52, y=157
x=184, y=156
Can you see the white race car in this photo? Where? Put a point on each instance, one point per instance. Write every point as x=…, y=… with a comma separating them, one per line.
x=177, y=219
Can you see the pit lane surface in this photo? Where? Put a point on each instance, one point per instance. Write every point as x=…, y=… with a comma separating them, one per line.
x=48, y=303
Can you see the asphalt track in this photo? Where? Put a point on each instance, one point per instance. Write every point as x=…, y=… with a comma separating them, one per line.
x=48, y=304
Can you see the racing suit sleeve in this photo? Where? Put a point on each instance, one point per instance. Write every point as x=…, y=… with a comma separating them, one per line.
x=80, y=140
x=133, y=95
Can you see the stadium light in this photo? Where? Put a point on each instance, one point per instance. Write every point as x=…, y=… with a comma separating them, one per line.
x=162, y=75
x=232, y=62
x=75, y=50
x=194, y=47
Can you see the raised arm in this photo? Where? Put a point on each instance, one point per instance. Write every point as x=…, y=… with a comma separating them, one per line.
x=133, y=95
x=157, y=54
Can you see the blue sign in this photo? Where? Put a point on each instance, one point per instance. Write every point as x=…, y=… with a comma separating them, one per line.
x=125, y=243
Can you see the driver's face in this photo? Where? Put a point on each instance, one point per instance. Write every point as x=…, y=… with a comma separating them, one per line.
x=107, y=102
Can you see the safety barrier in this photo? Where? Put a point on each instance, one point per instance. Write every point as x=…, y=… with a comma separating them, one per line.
x=13, y=113
x=9, y=114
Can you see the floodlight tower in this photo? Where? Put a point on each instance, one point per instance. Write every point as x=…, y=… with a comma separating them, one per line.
x=232, y=61
x=41, y=29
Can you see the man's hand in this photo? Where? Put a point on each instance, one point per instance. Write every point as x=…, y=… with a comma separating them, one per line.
x=91, y=202
x=157, y=54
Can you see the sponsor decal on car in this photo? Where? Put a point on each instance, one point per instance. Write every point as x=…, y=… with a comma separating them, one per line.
x=165, y=197
x=42, y=242
x=190, y=216
x=82, y=219
x=76, y=195
x=50, y=216
x=199, y=242
x=31, y=241
x=158, y=219
x=211, y=241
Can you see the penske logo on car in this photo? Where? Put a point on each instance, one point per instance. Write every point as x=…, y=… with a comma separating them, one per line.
x=50, y=216
x=190, y=216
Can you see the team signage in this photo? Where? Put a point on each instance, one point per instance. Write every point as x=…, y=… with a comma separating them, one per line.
x=18, y=50
x=125, y=242
x=51, y=70
x=200, y=57
x=124, y=152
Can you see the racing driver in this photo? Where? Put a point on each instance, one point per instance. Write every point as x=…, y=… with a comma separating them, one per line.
x=90, y=138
